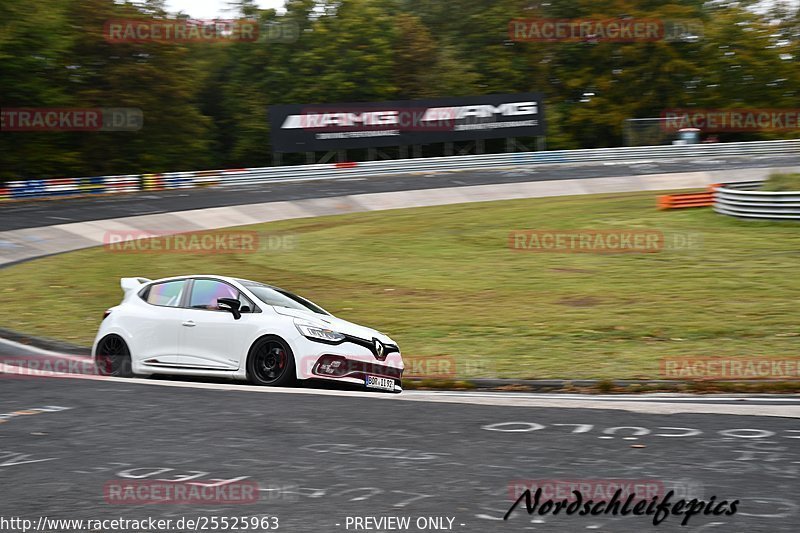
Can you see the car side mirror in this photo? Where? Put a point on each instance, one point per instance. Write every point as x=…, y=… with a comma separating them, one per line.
x=231, y=305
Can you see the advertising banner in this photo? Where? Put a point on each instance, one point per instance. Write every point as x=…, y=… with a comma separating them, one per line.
x=313, y=127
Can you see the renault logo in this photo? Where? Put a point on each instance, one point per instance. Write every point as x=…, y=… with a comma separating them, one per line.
x=379, y=348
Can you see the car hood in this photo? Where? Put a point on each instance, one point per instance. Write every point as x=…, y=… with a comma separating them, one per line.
x=336, y=324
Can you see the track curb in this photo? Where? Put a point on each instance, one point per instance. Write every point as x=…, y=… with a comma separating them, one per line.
x=605, y=386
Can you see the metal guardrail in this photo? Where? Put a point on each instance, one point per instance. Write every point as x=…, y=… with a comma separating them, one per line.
x=249, y=176
x=744, y=200
x=485, y=161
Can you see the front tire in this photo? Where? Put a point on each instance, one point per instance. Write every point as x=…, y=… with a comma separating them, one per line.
x=113, y=358
x=271, y=363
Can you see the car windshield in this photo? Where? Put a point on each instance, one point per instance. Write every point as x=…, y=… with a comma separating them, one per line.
x=281, y=298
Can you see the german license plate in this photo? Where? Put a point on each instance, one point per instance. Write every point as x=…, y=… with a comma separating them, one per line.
x=375, y=382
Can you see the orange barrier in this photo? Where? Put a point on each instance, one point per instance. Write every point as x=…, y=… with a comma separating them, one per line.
x=680, y=201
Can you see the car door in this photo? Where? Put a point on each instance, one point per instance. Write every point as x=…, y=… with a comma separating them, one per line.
x=157, y=324
x=210, y=337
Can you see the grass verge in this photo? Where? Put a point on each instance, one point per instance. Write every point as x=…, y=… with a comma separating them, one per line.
x=783, y=183
x=443, y=282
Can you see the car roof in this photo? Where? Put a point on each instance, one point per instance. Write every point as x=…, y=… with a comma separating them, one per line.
x=214, y=276
x=187, y=276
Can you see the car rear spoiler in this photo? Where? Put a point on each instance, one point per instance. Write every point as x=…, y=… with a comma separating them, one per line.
x=131, y=284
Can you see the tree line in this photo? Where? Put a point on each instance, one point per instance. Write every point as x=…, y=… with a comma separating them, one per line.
x=205, y=103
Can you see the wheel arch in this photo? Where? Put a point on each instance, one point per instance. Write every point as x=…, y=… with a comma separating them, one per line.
x=271, y=335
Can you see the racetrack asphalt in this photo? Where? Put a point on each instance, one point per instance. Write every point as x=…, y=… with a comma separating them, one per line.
x=321, y=457
x=32, y=214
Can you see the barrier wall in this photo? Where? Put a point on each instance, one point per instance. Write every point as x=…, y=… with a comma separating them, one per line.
x=248, y=176
x=745, y=200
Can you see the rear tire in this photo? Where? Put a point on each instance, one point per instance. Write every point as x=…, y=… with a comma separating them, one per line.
x=113, y=358
x=271, y=363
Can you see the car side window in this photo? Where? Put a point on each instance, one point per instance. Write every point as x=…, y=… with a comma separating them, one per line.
x=205, y=293
x=246, y=306
x=167, y=294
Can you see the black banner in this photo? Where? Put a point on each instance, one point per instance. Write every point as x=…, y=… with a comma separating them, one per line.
x=316, y=127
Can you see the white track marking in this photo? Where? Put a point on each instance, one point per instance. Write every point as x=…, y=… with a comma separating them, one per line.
x=652, y=404
x=38, y=351
x=519, y=401
x=788, y=398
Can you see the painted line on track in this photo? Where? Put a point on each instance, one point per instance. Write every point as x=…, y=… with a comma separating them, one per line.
x=472, y=398
x=41, y=351
x=788, y=398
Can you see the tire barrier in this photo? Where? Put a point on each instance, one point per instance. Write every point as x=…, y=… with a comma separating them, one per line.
x=331, y=171
x=745, y=200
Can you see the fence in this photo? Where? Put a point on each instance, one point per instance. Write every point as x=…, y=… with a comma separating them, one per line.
x=249, y=176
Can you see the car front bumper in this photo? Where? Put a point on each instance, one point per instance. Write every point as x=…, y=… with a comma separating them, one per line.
x=347, y=363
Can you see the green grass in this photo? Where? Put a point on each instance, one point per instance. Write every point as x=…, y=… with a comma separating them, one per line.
x=783, y=183
x=442, y=281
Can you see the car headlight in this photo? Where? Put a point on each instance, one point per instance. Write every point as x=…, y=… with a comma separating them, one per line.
x=320, y=333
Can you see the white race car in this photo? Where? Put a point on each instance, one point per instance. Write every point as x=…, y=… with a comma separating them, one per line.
x=227, y=327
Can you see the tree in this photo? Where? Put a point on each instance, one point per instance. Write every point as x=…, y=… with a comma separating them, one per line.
x=34, y=47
